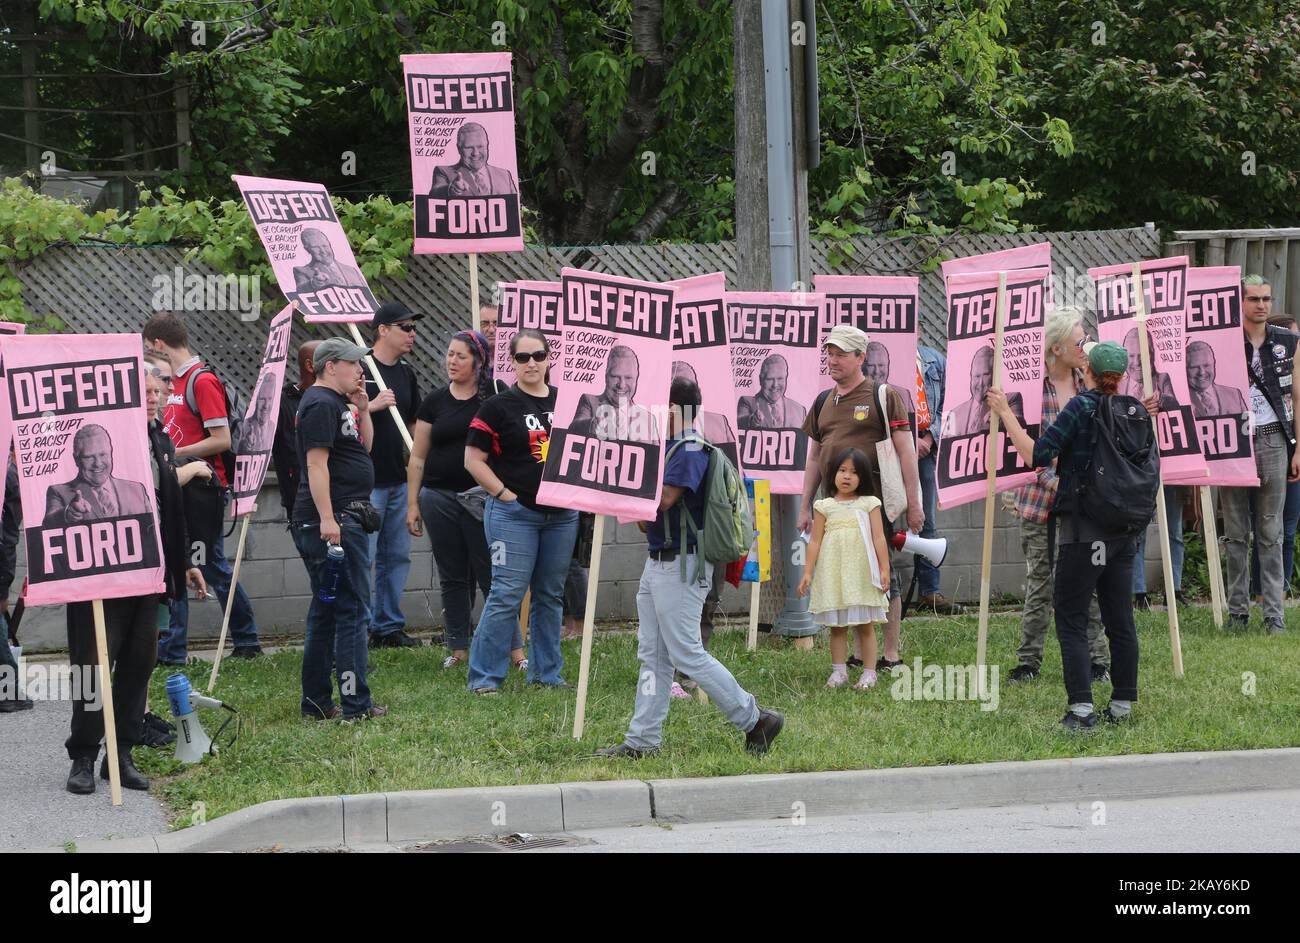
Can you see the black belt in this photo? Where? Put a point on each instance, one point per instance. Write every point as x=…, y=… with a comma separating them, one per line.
x=663, y=556
x=1269, y=428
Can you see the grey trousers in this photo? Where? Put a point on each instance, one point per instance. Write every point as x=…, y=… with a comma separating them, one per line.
x=669, y=636
x=1039, y=585
x=1270, y=498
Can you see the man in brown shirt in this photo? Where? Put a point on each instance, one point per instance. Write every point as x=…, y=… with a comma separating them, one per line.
x=850, y=416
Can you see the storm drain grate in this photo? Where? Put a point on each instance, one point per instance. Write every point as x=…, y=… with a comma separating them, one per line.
x=519, y=841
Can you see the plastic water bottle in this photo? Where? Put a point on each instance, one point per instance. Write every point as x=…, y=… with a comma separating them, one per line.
x=329, y=579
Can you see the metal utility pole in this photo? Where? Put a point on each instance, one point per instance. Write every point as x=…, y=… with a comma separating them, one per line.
x=775, y=88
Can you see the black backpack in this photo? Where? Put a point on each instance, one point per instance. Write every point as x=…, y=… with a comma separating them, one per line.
x=1119, y=486
x=234, y=414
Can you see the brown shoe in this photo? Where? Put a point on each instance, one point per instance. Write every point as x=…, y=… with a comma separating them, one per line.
x=369, y=714
x=937, y=602
x=329, y=714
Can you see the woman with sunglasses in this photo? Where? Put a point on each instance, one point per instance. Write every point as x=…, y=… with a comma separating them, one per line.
x=530, y=544
x=438, y=486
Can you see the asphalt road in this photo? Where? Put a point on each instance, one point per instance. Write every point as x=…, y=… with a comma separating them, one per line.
x=1232, y=822
x=36, y=811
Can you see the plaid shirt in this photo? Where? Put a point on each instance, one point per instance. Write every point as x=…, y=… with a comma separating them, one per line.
x=1034, y=501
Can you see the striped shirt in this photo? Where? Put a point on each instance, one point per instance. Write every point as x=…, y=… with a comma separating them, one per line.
x=1034, y=501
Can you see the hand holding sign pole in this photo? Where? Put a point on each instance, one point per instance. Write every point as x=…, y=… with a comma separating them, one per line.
x=1162, y=519
x=991, y=450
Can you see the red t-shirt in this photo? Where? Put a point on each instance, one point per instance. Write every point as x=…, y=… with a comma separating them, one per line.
x=183, y=425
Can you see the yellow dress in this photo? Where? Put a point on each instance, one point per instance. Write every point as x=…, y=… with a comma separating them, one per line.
x=842, y=591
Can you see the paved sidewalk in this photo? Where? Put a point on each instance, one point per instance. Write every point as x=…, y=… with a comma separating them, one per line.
x=35, y=809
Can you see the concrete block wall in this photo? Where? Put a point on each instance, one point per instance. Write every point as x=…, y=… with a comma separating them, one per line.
x=274, y=578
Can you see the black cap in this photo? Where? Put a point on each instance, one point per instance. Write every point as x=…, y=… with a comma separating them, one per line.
x=393, y=312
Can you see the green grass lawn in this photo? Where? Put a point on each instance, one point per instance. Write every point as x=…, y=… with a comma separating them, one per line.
x=440, y=735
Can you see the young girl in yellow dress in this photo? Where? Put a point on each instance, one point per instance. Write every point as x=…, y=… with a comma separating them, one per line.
x=846, y=587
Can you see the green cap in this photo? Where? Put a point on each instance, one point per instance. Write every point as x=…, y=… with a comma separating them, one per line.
x=1107, y=357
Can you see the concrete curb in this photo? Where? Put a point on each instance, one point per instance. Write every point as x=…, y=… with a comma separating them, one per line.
x=393, y=819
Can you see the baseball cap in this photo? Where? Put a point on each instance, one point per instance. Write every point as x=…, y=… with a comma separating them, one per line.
x=336, y=348
x=393, y=312
x=1106, y=357
x=847, y=338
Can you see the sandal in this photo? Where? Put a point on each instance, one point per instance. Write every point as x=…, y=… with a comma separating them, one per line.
x=868, y=680
x=451, y=661
x=522, y=664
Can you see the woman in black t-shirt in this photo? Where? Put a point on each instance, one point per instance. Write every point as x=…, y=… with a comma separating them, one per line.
x=436, y=486
x=530, y=544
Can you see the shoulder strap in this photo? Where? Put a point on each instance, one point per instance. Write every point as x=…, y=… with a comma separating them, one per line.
x=190, y=381
x=818, y=403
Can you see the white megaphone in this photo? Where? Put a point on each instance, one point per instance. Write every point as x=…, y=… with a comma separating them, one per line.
x=192, y=741
x=933, y=549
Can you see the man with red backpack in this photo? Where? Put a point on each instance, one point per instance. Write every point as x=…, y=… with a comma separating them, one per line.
x=198, y=419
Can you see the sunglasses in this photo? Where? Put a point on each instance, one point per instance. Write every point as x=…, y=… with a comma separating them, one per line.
x=537, y=355
x=408, y=328
x=157, y=372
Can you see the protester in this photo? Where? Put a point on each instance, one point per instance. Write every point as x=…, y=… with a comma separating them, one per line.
x=575, y=581
x=1175, y=497
x=333, y=507
x=11, y=700
x=284, y=450
x=442, y=495
x=531, y=544
x=1063, y=379
x=1273, y=371
x=1091, y=558
x=487, y=326
x=847, y=415
x=131, y=628
x=931, y=367
x=671, y=596
x=390, y=546
x=198, y=421
x=848, y=587
x=1290, y=510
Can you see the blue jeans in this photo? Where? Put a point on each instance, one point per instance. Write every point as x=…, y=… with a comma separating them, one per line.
x=173, y=643
x=336, y=632
x=927, y=574
x=390, y=549
x=1290, y=518
x=1174, y=514
x=528, y=549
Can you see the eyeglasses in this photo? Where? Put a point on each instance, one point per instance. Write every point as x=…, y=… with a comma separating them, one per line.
x=157, y=372
x=537, y=355
x=1081, y=343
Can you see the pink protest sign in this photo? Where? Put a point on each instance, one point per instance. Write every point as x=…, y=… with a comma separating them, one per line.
x=461, y=116
x=529, y=304
x=775, y=359
x=1038, y=255
x=606, y=449
x=702, y=352
x=1164, y=286
x=309, y=252
x=885, y=307
x=257, y=434
x=972, y=319
x=1217, y=377
x=77, y=410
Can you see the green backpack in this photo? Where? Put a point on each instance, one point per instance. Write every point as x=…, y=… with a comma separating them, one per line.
x=728, y=530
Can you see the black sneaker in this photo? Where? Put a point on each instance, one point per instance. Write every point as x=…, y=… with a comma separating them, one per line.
x=1073, y=722
x=1100, y=674
x=759, y=739
x=1237, y=623
x=1110, y=718
x=247, y=651
x=884, y=664
x=623, y=751
x=1141, y=601
x=853, y=661
x=398, y=639
x=82, y=778
x=1275, y=628
x=1022, y=673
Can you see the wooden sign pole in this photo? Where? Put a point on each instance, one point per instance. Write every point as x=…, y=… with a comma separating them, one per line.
x=751, y=640
x=991, y=463
x=588, y=625
x=106, y=692
x=230, y=601
x=1210, y=532
x=379, y=382
x=1162, y=518
x=473, y=289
